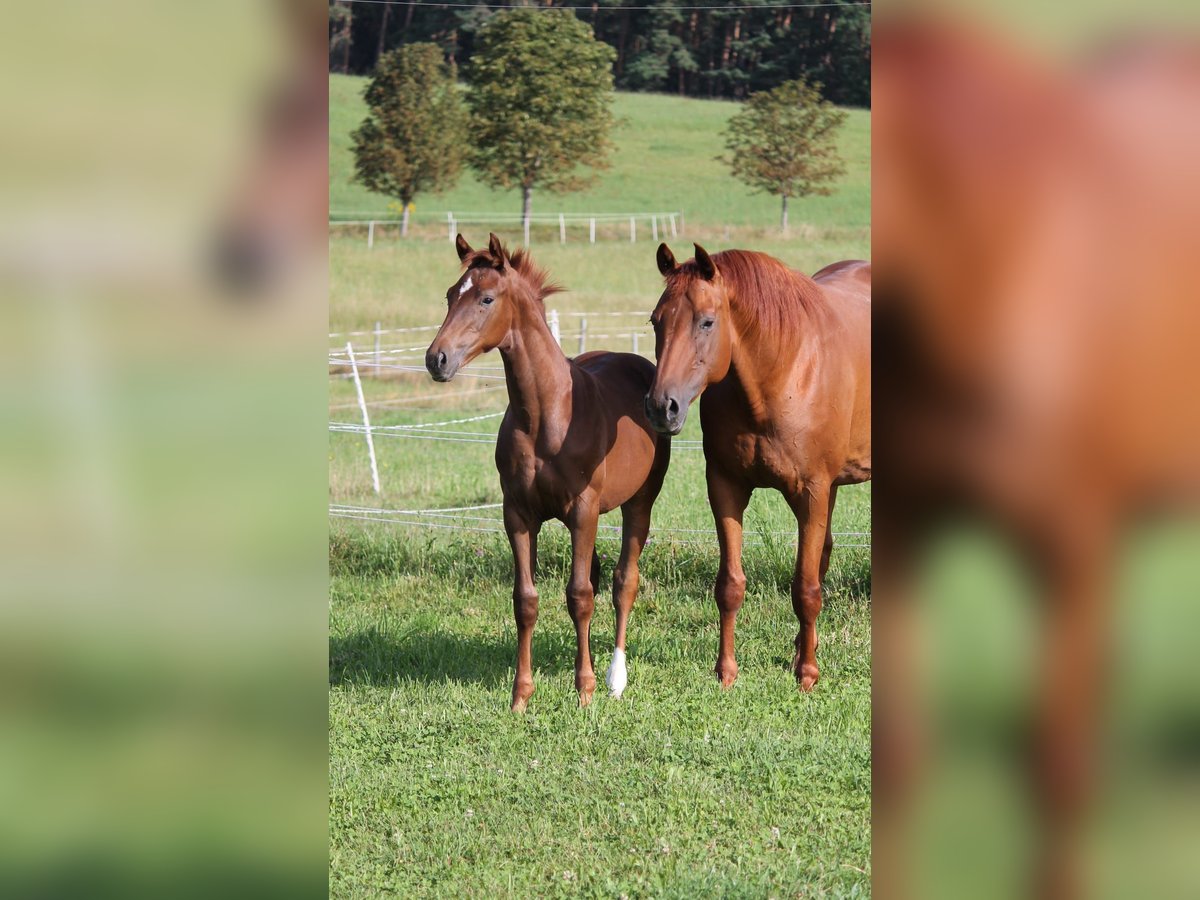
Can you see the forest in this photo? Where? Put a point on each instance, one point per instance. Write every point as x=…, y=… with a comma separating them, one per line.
x=728, y=51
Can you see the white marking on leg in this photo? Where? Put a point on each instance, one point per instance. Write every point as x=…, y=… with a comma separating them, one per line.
x=465, y=286
x=617, y=675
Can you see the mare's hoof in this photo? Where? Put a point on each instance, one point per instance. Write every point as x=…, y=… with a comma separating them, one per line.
x=585, y=698
x=520, y=697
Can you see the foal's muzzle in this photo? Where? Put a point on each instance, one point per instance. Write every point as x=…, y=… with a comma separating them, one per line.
x=666, y=413
x=442, y=365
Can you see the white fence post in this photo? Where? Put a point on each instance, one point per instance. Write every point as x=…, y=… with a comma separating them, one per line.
x=378, y=335
x=582, y=335
x=527, y=232
x=552, y=321
x=450, y=226
x=362, y=404
x=632, y=229
x=654, y=225
x=635, y=342
x=593, y=231
x=370, y=235
x=562, y=229
x=674, y=233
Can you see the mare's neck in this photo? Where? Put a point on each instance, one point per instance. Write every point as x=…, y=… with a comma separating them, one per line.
x=762, y=361
x=537, y=372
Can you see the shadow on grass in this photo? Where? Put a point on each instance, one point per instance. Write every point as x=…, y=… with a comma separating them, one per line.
x=372, y=657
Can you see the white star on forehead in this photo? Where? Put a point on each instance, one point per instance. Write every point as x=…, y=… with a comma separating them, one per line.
x=466, y=286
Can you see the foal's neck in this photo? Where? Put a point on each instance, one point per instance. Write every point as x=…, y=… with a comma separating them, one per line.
x=537, y=372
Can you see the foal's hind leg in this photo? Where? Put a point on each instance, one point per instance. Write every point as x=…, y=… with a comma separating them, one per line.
x=635, y=525
x=812, y=512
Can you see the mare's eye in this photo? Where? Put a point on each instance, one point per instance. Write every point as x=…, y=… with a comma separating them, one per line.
x=707, y=324
x=487, y=301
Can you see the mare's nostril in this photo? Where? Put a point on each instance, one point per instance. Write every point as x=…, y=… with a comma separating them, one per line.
x=673, y=406
x=441, y=360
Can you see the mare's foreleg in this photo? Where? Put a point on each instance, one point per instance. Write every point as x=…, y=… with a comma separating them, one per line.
x=728, y=500
x=522, y=537
x=812, y=508
x=827, y=549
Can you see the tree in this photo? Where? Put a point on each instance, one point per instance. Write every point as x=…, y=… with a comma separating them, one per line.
x=782, y=142
x=540, y=101
x=412, y=139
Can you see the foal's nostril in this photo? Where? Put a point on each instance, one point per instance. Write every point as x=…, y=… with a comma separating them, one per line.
x=441, y=359
x=673, y=406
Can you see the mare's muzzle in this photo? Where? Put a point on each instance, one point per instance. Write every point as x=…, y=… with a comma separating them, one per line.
x=666, y=412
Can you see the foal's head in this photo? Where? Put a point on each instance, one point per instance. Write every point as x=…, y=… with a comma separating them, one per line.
x=484, y=305
x=693, y=338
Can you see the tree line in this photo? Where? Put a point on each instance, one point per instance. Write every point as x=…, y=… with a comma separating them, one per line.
x=751, y=46
x=538, y=115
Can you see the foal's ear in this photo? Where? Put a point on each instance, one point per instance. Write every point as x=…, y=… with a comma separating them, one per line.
x=463, y=248
x=708, y=269
x=666, y=259
x=497, y=250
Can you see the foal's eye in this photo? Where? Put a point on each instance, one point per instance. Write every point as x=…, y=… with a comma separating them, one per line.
x=707, y=324
x=487, y=301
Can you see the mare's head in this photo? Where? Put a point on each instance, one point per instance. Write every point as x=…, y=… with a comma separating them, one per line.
x=693, y=337
x=484, y=305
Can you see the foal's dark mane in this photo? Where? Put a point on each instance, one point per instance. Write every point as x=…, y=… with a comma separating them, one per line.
x=770, y=297
x=535, y=277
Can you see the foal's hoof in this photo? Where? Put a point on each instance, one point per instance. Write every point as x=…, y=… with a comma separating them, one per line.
x=586, y=685
x=585, y=698
x=806, y=676
x=727, y=674
x=618, y=675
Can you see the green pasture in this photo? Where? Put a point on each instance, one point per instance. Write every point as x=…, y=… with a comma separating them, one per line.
x=665, y=160
x=678, y=789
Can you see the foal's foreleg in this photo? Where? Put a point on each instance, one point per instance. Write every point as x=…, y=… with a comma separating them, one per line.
x=827, y=549
x=635, y=525
x=812, y=513
x=581, y=599
x=522, y=537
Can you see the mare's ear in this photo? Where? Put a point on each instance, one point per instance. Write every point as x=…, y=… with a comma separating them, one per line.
x=708, y=269
x=497, y=251
x=666, y=259
x=463, y=248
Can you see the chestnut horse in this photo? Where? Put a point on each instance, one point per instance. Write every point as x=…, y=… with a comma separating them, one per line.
x=784, y=364
x=574, y=443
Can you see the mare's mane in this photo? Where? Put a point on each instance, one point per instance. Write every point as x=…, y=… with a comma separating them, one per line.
x=535, y=277
x=766, y=296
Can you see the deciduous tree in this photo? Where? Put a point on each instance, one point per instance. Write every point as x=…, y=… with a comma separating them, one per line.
x=412, y=140
x=540, y=101
x=782, y=142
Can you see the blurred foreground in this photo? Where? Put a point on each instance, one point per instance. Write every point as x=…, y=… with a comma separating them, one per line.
x=163, y=635
x=1036, y=701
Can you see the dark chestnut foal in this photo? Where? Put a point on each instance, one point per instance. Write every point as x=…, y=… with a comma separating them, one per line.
x=574, y=443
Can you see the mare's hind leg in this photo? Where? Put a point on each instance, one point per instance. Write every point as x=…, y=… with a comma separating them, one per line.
x=522, y=537
x=581, y=599
x=635, y=525
x=728, y=499
x=595, y=572
x=812, y=508
x=827, y=549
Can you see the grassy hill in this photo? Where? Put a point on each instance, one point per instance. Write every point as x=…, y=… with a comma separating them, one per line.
x=665, y=160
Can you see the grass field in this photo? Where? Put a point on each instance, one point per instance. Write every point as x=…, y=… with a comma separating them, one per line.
x=678, y=789
x=665, y=160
